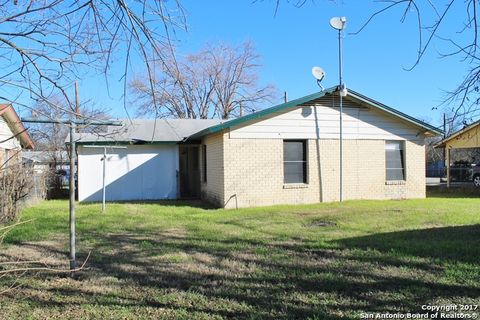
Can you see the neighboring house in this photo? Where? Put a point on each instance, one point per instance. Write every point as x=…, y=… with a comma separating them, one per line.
x=286, y=154
x=13, y=136
x=464, y=139
x=52, y=165
x=51, y=172
x=44, y=161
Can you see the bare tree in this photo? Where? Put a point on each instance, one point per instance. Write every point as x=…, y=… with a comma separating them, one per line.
x=51, y=136
x=452, y=23
x=217, y=82
x=237, y=91
x=46, y=44
x=461, y=102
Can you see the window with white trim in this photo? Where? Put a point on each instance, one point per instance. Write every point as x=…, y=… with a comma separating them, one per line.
x=395, y=160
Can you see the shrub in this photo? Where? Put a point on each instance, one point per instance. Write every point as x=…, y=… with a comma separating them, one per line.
x=16, y=183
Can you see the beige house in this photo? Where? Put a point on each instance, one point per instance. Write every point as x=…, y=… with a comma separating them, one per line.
x=13, y=136
x=466, y=138
x=286, y=154
x=289, y=154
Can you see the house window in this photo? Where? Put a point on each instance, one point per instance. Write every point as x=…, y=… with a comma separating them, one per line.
x=294, y=161
x=395, y=160
x=204, y=162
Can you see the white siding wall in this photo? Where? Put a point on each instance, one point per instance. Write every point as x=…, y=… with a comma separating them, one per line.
x=6, y=133
x=136, y=173
x=322, y=121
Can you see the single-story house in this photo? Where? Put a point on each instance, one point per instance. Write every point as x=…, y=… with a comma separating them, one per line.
x=54, y=166
x=286, y=154
x=44, y=161
x=466, y=138
x=13, y=136
x=51, y=172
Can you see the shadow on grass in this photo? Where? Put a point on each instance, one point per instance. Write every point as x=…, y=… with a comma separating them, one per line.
x=193, y=203
x=453, y=192
x=458, y=244
x=231, y=276
x=248, y=279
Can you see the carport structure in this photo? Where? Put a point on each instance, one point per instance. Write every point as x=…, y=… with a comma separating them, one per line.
x=467, y=138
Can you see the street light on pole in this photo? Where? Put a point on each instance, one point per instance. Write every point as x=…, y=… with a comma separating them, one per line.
x=339, y=23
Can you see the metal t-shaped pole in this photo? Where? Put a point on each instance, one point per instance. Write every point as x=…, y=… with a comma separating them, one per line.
x=105, y=159
x=73, y=260
x=72, y=124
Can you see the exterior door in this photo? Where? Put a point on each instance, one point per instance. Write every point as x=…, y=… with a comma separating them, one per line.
x=189, y=172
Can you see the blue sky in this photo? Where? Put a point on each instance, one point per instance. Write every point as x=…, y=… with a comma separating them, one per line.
x=296, y=39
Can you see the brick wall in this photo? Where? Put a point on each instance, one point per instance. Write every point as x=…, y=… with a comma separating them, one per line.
x=213, y=189
x=254, y=175
x=253, y=172
x=415, y=164
x=364, y=171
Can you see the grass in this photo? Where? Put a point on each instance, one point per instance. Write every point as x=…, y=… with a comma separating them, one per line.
x=177, y=261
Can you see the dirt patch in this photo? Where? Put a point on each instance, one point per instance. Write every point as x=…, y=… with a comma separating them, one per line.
x=394, y=210
x=47, y=253
x=174, y=233
x=320, y=223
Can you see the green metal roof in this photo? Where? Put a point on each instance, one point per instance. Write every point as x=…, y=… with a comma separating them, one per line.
x=297, y=102
x=265, y=112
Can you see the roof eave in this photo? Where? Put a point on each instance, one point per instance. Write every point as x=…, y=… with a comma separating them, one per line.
x=16, y=126
x=442, y=143
x=263, y=113
x=120, y=143
x=429, y=130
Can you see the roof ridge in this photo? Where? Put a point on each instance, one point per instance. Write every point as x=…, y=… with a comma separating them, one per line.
x=299, y=101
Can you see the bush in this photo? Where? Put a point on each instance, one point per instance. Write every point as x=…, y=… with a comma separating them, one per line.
x=16, y=182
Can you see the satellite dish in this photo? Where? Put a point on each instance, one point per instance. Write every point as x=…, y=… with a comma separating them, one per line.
x=318, y=73
x=338, y=23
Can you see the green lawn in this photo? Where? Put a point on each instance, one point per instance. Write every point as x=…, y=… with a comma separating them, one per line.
x=177, y=261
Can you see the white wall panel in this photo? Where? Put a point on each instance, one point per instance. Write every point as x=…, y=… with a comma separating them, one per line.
x=136, y=173
x=6, y=133
x=321, y=120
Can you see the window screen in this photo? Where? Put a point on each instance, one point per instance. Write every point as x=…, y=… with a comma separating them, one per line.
x=395, y=164
x=294, y=161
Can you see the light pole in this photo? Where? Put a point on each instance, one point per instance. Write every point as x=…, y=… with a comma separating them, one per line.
x=339, y=23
